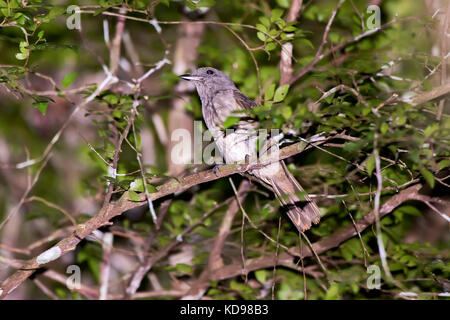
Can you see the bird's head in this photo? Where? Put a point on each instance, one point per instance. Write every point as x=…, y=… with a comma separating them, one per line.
x=209, y=79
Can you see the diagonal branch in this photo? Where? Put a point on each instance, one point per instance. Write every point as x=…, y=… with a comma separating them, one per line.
x=111, y=210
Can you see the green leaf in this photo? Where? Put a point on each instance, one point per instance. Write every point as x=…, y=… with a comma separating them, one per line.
x=41, y=106
x=230, y=121
x=133, y=196
x=432, y=128
x=307, y=42
x=137, y=185
x=68, y=79
x=280, y=93
x=265, y=21
x=261, y=27
x=276, y=14
x=21, y=56
x=183, y=268
x=370, y=164
x=428, y=176
x=444, y=164
x=283, y=3
x=261, y=36
x=332, y=292
x=268, y=95
x=270, y=46
x=205, y=3
x=286, y=112
x=111, y=98
x=334, y=37
x=261, y=276
x=290, y=28
x=384, y=128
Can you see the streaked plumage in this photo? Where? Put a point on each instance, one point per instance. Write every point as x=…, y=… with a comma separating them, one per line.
x=220, y=99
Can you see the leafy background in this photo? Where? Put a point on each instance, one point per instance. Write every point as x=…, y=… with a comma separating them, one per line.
x=366, y=89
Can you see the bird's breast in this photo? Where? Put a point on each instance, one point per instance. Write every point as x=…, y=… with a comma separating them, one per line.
x=236, y=146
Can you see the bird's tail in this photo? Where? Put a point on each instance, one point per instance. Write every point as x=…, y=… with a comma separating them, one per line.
x=301, y=212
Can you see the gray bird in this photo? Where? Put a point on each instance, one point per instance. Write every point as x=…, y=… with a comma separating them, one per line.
x=220, y=99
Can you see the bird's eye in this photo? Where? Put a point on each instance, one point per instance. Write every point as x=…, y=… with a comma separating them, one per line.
x=210, y=72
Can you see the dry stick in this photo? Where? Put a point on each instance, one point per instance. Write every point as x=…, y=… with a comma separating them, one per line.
x=215, y=260
x=316, y=254
x=116, y=44
x=144, y=180
x=322, y=245
x=12, y=249
x=431, y=95
x=361, y=17
x=381, y=248
x=54, y=206
x=137, y=88
x=274, y=272
x=359, y=234
x=113, y=166
x=254, y=226
x=341, y=87
x=105, y=266
x=287, y=48
x=381, y=105
x=244, y=215
x=300, y=243
x=53, y=275
x=318, y=57
x=93, y=149
x=109, y=79
x=113, y=66
x=25, y=194
x=443, y=215
x=139, y=274
x=258, y=76
x=444, y=52
x=59, y=233
x=45, y=290
x=223, y=24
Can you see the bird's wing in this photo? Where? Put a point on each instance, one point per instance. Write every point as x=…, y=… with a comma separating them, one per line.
x=228, y=103
x=243, y=101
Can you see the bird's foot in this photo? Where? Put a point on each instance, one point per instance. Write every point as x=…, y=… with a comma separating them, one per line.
x=217, y=167
x=247, y=159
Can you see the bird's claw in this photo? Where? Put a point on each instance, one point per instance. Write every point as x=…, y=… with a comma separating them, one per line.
x=247, y=159
x=216, y=167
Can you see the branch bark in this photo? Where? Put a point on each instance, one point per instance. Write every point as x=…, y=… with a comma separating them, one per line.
x=431, y=95
x=321, y=246
x=287, y=48
x=111, y=210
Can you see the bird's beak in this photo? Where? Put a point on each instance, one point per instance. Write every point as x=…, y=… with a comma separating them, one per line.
x=190, y=77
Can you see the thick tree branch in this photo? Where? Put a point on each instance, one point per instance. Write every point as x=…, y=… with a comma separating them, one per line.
x=111, y=210
x=286, y=258
x=431, y=95
x=287, y=48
